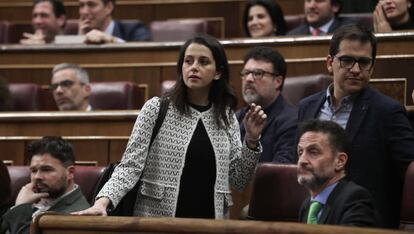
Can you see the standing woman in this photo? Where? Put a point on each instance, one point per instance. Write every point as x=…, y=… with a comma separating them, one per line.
x=197, y=154
x=263, y=18
x=390, y=15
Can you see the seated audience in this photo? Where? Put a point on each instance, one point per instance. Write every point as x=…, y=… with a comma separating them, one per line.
x=322, y=152
x=97, y=24
x=263, y=77
x=263, y=18
x=70, y=87
x=52, y=186
x=48, y=20
x=5, y=96
x=392, y=15
x=382, y=140
x=5, y=191
x=321, y=18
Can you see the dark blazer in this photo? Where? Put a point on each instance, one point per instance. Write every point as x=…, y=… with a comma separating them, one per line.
x=278, y=136
x=303, y=29
x=348, y=204
x=18, y=219
x=131, y=31
x=382, y=143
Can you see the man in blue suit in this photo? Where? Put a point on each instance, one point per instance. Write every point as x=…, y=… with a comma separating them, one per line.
x=97, y=24
x=382, y=140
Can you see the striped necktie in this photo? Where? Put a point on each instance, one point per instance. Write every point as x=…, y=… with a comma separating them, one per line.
x=314, y=209
x=316, y=32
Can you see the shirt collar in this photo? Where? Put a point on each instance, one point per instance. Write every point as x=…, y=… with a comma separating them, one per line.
x=110, y=29
x=346, y=100
x=324, y=28
x=323, y=196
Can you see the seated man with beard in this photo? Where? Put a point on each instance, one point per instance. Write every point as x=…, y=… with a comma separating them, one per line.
x=322, y=152
x=52, y=186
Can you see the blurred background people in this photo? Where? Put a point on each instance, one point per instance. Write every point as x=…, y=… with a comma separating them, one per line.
x=321, y=17
x=48, y=20
x=263, y=18
x=392, y=15
x=97, y=24
x=70, y=87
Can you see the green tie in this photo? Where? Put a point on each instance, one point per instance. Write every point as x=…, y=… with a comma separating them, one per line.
x=314, y=209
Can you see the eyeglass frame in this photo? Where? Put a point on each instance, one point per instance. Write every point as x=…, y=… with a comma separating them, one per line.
x=68, y=85
x=243, y=74
x=355, y=60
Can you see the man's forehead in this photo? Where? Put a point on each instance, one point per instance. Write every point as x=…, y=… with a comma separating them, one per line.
x=313, y=138
x=45, y=159
x=64, y=74
x=258, y=63
x=43, y=7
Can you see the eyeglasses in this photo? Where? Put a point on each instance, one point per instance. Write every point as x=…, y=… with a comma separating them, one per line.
x=65, y=84
x=348, y=62
x=256, y=73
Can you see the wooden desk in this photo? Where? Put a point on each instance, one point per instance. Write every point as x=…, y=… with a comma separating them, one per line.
x=51, y=224
x=152, y=62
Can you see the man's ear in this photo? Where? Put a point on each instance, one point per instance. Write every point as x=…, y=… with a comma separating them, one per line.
x=329, y=61
x=61, y=21
x=336, y=8
x=87, y=89
x=70, y=170
x=341, y=160
x=109, y=7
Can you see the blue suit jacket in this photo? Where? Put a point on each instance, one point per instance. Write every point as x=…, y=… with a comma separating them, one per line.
x=303, y=29
x=382, y=147
x=348, y=204
x=133, y=30
x=278, y=136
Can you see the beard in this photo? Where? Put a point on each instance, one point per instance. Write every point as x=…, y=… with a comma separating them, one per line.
x=251, y=97
x=311, y=180
x=54, y=192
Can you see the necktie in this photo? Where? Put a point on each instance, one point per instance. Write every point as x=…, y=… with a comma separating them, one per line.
x=314, y=209
x=316, y=32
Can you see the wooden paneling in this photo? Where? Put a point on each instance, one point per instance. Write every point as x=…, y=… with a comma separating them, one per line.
x=89, y=150
x=96, y=123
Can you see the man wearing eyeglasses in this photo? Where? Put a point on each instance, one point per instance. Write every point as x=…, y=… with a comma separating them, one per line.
x=262, y=77
x=70, y=87
x=382, y=141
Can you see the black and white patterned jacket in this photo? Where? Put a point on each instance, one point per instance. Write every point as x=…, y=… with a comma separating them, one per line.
x=159, y=170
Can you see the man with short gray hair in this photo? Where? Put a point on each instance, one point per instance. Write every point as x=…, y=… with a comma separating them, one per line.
x=70, y=87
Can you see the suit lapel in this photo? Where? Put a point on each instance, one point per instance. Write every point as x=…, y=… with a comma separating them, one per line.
x=331, y=200
x=315, y=106
x=358, y=113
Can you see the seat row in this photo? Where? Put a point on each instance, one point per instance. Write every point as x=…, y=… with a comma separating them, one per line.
x=104, y=96
x=276, y=195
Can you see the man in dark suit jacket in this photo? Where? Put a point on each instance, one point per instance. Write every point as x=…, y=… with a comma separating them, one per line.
x=97, y=24
x=322, y=151
x=382, y=139
x=321, y=17
x=52, y=186
x=262, y=82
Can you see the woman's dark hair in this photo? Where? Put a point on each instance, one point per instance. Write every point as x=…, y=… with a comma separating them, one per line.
x=221, y=94
x=5, y=191
x=273, y=9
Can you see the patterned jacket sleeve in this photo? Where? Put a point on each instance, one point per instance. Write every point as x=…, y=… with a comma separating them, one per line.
x=127, y=173
x=243, y=160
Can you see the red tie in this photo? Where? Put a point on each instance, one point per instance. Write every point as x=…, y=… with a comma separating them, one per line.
x=316, y=32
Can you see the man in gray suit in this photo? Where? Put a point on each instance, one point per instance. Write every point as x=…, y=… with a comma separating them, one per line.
x=52, y=186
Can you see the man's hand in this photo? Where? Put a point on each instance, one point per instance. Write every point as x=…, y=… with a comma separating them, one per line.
x=254, y=121
x=98, y=37
x=380, y=21
x=38, y=38
x=26, y=195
